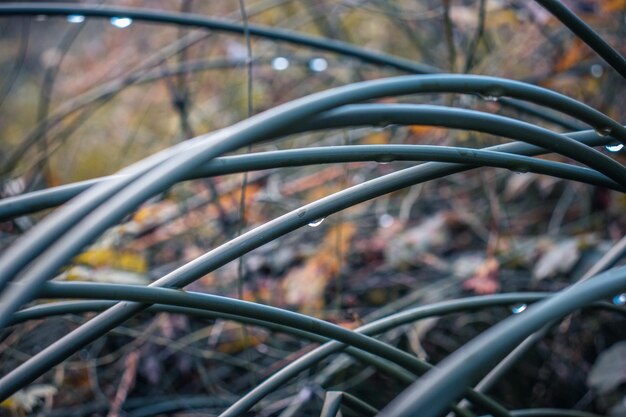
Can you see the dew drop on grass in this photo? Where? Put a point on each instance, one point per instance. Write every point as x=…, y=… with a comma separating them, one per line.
x=318, y=65
x=489, y=98
x=493, y=94
x=316, y=223
x=614, y=148
x=121, y=22
x=519, y=308
x=280, y=63
x=619, y=299
x=75, y=18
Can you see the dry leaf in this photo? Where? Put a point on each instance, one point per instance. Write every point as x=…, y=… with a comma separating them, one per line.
x=431, y=236
x=558, y=260
x=609, y=370
x=112, y=276
x=575, y=54
x=517, y=184
x=376, y=138
x=305, y=285
x=113, y=258
x=485, y=280
x=611, y=6
x=26, y=399
x=467, y=265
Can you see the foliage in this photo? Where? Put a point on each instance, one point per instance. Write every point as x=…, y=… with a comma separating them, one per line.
x=89, y=91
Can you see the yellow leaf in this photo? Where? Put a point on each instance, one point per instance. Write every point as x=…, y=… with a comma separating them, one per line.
x=376, y=138
x=8, y=403
x=112, y=258
x=26, y=399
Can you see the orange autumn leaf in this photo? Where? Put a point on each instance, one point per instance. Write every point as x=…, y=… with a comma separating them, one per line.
x=420, y=130
x=305, y=285
x=611, y=6
x=574, y=55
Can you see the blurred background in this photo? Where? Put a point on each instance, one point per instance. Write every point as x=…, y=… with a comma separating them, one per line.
x=82, y=97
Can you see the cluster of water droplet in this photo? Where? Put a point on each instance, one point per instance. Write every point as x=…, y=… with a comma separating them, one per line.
x=281, y=63
x=494, y=94
x=118, y=22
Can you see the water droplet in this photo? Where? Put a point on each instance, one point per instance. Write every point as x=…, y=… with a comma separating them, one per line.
x=519, y=308
x=489, y=98
x=603, y=131
x=318, y=65
x=619, y=299
x=614, y=148
x=596, y=70
x=385, y=220
x=385, y=159
x=121, y=22
x=280, y=63
x=75, y=18
x=316, y=223
x=493, y=93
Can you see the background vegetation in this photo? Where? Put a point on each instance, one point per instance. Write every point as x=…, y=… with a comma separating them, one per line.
x=83, y=97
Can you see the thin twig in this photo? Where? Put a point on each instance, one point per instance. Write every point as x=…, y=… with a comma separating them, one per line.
x=480, y=31
x=45, y=94
x=244, y=184
x=449, y=33
x=18, y=63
